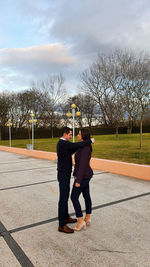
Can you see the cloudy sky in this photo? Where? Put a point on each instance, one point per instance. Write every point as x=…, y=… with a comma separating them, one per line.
x=45, y=37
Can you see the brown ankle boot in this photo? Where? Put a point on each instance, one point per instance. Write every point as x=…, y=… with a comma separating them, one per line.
x=81, y=224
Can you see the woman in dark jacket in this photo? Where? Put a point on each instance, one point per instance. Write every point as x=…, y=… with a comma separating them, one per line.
x=82, y=173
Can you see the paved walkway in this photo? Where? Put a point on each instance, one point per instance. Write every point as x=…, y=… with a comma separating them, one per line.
x=120, y=232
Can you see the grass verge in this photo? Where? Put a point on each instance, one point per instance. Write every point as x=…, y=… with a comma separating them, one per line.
x=106, y=147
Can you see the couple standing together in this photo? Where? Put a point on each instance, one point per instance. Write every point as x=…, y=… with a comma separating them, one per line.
x=82, y=174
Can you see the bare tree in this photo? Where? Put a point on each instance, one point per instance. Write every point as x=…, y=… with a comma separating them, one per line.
x=53, y=95
x=4, y=110
x=93, y=85
x=127, y=87
x=142, y=88
x=24, y=103
x=90, y=111
x=135, y=86
x=102, y=81
x=120, y=84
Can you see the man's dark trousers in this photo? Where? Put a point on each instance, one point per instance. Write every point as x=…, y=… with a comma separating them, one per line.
x=64, y=188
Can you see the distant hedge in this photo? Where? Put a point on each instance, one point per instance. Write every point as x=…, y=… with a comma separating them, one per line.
x=121, y=130
x=25, y=133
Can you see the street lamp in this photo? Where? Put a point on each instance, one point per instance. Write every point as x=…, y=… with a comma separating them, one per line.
x=73, y=114
x=9, y=124
x=32, y=121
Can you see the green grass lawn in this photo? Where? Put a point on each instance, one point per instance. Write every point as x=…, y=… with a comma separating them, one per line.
x=105, y=147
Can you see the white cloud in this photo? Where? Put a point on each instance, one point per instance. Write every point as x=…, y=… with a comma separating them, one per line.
x=79, y=30
x=48, y=54
x=20, y=66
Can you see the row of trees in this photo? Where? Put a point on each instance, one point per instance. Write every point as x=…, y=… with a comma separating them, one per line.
x=120, y=85
x=50, y=103
x=114, y=91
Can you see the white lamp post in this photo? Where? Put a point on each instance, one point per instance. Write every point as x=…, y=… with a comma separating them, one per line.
x=78, y=113
x=9, y=124
x=32, y=121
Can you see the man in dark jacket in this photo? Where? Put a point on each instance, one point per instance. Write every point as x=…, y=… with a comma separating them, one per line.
x=65, y=149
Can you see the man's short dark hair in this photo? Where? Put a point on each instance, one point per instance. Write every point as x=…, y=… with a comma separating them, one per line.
x=65, y=130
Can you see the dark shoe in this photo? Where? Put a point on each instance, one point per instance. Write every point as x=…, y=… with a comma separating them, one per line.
x=70, y=220
x=65, y=229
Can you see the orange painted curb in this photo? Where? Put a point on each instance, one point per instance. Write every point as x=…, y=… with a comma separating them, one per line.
x=123, y=168
x=112, y=166
x=30, y=153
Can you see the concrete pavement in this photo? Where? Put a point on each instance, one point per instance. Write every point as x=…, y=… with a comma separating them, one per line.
x=120, y=232
x=138, y=171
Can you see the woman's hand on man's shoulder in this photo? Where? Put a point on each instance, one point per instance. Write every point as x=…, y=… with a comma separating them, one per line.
x=93, y=140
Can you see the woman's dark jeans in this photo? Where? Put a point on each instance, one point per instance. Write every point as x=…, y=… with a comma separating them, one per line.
x=76, y=191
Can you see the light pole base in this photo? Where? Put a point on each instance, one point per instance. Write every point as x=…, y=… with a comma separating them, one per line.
x=29, y=147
